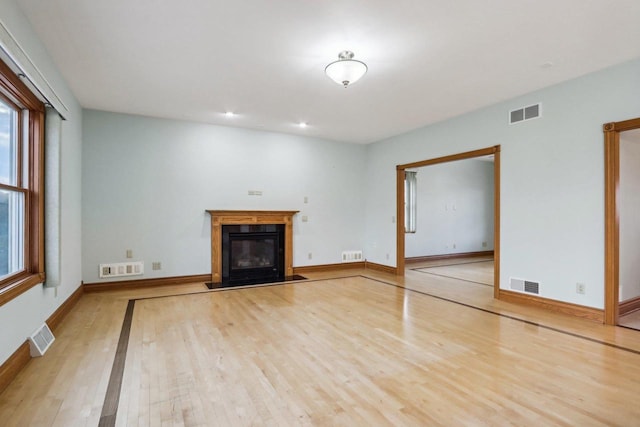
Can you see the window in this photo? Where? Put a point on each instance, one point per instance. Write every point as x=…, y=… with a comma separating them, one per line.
x=410, y=201
x=11, y=195
x=21, y=186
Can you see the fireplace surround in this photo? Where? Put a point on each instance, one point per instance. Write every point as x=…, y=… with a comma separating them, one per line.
x=254, y=233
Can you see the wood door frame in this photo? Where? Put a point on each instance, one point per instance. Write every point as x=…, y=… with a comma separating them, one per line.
x=612, y=216
x=400, y=234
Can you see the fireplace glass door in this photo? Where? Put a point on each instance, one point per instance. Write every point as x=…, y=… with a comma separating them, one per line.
x=253, y=254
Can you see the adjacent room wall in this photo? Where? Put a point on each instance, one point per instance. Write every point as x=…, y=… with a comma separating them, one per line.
x=629, y=205
x=552, y=179
x=455, y=209
x=147, y=183
x=22, y=315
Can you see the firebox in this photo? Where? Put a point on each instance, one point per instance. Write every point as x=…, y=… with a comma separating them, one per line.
x=252, y=253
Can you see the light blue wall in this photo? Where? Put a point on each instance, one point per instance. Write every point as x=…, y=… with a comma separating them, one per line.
x=455, y=209
x=22, y=315
x=147, y=183
x=552, y=179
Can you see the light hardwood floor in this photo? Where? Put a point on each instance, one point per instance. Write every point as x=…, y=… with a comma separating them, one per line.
x=631, y=320
x=346, y=348
x=479, y=271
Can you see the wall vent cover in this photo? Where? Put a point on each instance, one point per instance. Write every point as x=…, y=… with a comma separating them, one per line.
x=40, y=340
x=524, y=285
x=117, y=269
x=531, y=287
x=516, y=284
x=525, y=113
x=351, y=256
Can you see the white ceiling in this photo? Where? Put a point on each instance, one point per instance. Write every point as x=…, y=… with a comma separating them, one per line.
x=428, y=60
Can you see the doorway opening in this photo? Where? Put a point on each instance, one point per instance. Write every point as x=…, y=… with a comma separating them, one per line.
x=622, y=294
x=401, y=172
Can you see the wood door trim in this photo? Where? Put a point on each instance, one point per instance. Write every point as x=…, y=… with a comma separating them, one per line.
x=451, y=158
x=611, y=228
x=400, y=220
x=612, y=216
x=400, y=169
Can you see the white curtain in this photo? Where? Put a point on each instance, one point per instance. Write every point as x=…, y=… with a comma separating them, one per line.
x=410, y=202
x=52, y=139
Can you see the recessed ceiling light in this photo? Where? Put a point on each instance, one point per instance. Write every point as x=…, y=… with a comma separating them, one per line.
x=302, y=124
x=547, y=65
x=229, y=114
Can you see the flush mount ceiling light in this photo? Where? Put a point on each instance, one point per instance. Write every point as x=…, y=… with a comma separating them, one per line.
x=346, y=70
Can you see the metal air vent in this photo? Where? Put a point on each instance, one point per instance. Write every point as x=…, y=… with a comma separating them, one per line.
x=117, y=269
x=525, y=113
x=351, y=256
x=524, y=285
x=40, y=340
x=531, y=287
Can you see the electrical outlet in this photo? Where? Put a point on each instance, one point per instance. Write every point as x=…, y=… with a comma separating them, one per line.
x=156, y=265
x=454, y=246
x=484, y=244
x=581, y=288
x=129, y=253
x=310, y=255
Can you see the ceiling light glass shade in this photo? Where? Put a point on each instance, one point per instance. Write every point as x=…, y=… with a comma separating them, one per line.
x=346, y=70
